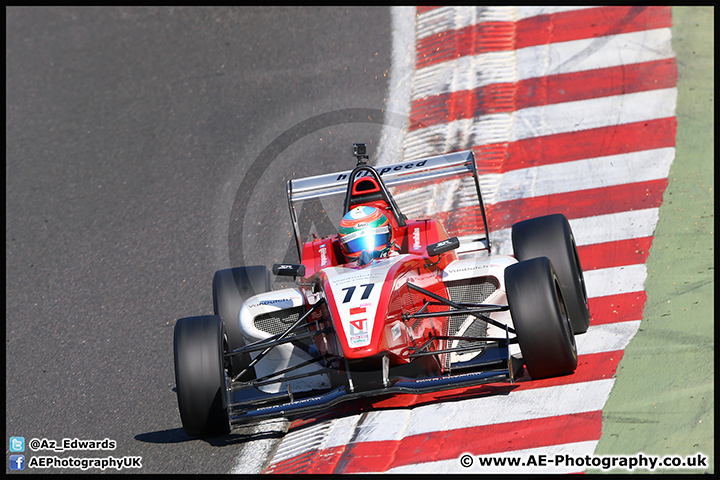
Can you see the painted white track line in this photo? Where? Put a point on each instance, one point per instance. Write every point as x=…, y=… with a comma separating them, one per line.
x=400, y=76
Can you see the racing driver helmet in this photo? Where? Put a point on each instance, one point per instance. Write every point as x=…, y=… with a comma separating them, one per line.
x=365, y=228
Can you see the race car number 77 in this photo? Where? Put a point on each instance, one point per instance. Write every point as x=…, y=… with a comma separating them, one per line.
x=351, y=290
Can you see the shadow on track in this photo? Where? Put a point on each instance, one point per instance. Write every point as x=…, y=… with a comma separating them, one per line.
x=178, y=435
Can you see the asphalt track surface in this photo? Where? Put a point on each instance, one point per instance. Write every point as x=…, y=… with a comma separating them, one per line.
x=129, y=134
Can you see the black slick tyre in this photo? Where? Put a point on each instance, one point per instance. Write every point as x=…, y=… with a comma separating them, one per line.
x=200, y=380
x=231, y=288
x=551, y=236
x=540, y=318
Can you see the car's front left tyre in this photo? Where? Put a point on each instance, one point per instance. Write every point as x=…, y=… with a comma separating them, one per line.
x=200, y=375
x=540, y=318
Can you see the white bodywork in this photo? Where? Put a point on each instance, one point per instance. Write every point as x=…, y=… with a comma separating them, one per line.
x=281, y=356
x=481, y=266
x=357, y=314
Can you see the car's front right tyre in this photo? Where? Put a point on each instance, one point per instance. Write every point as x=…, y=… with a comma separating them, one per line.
x=551, y=236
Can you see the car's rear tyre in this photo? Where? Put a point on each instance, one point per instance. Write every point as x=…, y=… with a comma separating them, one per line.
x=231, y=287
x=551, y=236
x=540, y=318
x=200, y=380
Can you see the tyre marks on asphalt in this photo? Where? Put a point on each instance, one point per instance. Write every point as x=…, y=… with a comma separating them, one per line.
x=568, y=110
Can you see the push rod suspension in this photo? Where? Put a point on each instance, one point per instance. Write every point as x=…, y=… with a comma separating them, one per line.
x=458, y=306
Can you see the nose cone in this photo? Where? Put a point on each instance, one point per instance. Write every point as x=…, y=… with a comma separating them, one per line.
x=358, y=298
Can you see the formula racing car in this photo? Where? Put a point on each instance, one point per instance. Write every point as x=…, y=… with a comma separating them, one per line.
x=397, y=290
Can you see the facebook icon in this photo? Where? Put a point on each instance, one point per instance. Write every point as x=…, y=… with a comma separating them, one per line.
x=17, y=462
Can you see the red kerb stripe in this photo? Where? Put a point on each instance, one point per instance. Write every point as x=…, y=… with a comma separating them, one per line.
x=575, y=204
x=550, y=90
x=601, y=82
x=594, y=142
x=539, y=30
x=622, y=307
x=381, y=455
x=581, y=203
x=590, y=23
x=614, y=254
x=482, y=440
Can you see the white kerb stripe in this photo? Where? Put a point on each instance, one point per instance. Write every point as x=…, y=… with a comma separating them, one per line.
x=590, y=173
x=612, y=227
x=521, y=405
x=443, y=19
x=594, y=53
x=615, y=281
x=544, y=120
x=608, y=337
x=585, y=174
x=594, y=113
x=474, y=71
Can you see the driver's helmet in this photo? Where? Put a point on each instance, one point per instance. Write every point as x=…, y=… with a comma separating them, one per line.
x=365, y=229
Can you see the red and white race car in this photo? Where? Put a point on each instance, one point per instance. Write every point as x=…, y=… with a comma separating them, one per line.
x=397, y=291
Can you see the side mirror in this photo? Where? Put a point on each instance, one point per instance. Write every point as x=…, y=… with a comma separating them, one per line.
x=288, y=270
x=443, y=246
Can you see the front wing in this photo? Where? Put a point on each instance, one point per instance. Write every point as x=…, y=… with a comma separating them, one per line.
x=246, y=402
x=245, y=405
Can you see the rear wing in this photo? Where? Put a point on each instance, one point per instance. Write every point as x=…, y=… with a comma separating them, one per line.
x=415, y=185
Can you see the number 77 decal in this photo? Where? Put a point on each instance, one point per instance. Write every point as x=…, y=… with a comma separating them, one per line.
x=351, y=290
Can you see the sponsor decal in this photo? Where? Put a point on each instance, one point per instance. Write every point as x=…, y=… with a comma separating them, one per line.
x=323, y=255
x=384, y=170
x=358, y=324
x=270, y=302
x=358, y=327
x=359, y=340
x=467, y=269
x=416, y=238
x=396, y=332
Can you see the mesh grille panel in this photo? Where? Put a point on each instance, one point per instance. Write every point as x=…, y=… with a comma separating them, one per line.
x=472, y=290
x=277, y=322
